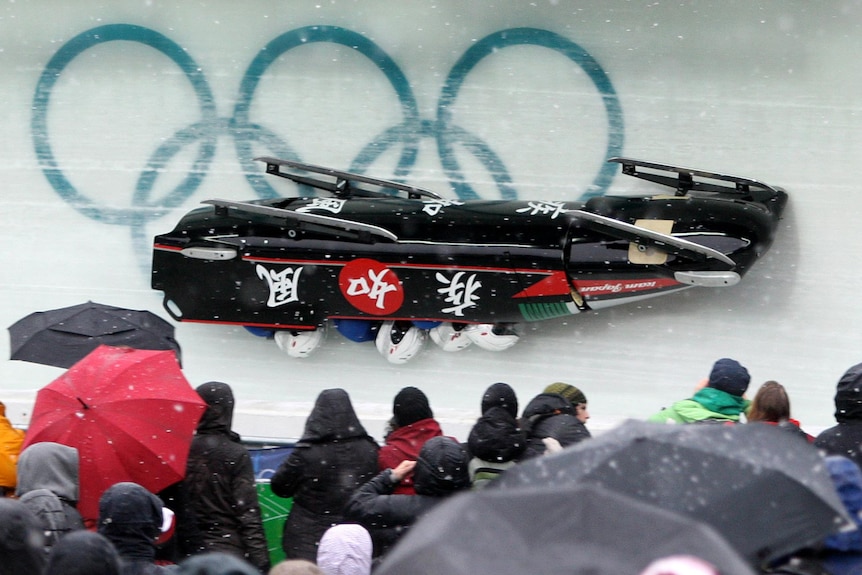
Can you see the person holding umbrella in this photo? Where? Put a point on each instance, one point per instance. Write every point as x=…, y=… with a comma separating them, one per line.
x=719, y=399
x=115, y=406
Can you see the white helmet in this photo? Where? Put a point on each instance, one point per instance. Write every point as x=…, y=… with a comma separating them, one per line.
x=299, y=343
x=399, y=341
x=493, y=337
x=450, y=336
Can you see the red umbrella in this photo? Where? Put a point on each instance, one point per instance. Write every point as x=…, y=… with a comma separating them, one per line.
x=131, y=414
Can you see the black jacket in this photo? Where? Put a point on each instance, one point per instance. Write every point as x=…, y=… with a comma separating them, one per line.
x=495, y=443
x=221, y=483
x=497, y=437
x=83, y=552
x=334, y=457
x=441, y=470
x=131, y=517
x=216, y=563
x=551, y=415
x=21, y=541
x=846, y=437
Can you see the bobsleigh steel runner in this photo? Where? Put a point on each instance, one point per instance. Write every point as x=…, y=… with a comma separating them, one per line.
x=398, y=264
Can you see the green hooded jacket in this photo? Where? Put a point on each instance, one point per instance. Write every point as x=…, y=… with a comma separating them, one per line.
x=707, y=404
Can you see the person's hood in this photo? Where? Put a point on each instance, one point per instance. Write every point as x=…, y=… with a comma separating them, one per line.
x=50, y=466
x=546, y=404
x=848, y=395
x=218, y=417
x=500, y=395
x=497, y=437
x=409, y=406
x=721, y=403
x=21, y=538
x=215, y=563
x=345, y=549
x=441, y=468
x=332, y=417
x=83, y=552
x=131, y=517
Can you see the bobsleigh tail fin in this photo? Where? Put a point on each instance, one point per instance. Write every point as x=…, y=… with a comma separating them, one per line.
x=344, y=181
x=685, y=180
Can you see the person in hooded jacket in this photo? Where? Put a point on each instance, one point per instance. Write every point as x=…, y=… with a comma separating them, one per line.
x=131, y=518
x=216, y=563
x=718, y=399
x=555, y=414
x=221, y=484
x=11, y=440
x=48, y=486
x=345, y=549
x=333, y=457
x=845, y=438
x=21, y=541
x=440, y=470
x=83, y=553
x=412, y=424
x=496, y=442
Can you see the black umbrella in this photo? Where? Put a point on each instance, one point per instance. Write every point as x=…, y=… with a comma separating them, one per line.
x=568, y=530
x=63, y=336
x=765, y=490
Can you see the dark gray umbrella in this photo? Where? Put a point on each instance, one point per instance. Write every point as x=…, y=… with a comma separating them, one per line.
x=570, y=530
x=62, y=337
x=765, y=490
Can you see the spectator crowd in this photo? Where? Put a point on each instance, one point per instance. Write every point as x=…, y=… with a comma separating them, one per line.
x=352, y=498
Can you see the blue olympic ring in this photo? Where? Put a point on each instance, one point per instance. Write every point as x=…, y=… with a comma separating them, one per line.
x=490, y=45
x=39, y=125
x=244, y=132
x=407, y=131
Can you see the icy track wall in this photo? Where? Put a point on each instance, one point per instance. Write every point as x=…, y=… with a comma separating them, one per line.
x=119, y=117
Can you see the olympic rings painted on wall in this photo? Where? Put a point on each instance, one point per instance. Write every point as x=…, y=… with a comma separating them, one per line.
x=39, y=126
x=209, y=128
x=491, y=44
x=407, y=132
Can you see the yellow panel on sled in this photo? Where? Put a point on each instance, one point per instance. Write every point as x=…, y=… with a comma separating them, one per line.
x=646, y=255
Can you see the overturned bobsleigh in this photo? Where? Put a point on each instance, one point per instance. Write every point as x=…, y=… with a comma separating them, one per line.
x=398, y=264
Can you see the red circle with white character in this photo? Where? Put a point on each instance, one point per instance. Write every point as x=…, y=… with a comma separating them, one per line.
x=371, y=287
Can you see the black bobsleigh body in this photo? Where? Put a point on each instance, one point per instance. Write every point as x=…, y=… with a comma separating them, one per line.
x=376, y=250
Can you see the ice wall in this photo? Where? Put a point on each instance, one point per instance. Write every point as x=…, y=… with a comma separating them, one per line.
x=120, y=116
